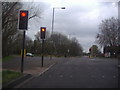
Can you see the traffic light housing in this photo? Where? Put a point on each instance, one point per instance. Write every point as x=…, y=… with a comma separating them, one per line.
x=23, y=20
x=43, y=31
x=89, y=49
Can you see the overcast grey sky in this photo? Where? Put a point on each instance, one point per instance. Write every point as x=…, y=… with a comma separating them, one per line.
x=80, y=19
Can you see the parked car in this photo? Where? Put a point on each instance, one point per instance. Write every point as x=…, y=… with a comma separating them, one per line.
x=29, y=54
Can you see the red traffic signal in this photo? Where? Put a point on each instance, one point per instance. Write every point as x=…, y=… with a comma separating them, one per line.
x=23, y=20
x=43, y=31
x=23, y=14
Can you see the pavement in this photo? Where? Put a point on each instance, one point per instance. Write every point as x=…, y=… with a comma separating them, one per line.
x=32, y=68
x=32, y=65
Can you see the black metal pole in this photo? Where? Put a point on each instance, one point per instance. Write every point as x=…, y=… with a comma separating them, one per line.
x=42, y=52
x=23, y=46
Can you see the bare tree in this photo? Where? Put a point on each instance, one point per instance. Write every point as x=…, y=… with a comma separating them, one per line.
x=10, y=11
x=9, y=24
x=108, y=35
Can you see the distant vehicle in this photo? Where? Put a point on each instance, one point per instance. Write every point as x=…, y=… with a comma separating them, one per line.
x=107, y=54
x=30, y=54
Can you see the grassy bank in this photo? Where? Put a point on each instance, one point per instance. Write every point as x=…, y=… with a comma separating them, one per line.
x=7, y=76
x=7, y=58
x=0, y=77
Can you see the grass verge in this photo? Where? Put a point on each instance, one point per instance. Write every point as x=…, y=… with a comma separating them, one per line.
x=7, y=58
x=0, y=77
x=7, y=76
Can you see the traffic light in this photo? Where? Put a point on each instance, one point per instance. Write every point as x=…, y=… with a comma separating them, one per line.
x=43, y=31
x=90, y=50
x=23, y=20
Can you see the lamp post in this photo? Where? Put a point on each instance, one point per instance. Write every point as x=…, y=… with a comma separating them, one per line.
x=53, y=21
x=53, y=17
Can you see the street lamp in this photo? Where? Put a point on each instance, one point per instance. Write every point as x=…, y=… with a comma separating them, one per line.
x=53, y=17
x=53, y=22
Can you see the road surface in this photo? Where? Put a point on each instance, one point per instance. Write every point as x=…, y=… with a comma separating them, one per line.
x=81, y=72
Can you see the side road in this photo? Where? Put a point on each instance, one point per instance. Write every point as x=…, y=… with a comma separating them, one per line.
x=32, y=68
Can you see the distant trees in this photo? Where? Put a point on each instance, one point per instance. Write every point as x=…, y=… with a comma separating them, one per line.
x=94, y=51
x=109, y=35
x=75, y=47
x=58, y=45
x=29, y=44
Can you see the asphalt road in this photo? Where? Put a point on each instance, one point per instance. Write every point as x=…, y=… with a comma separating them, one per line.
x=78, y=73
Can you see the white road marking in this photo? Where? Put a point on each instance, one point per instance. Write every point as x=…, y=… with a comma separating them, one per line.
x=114, y=76
x=71, y=76
x=103, y=76
x=61, y=76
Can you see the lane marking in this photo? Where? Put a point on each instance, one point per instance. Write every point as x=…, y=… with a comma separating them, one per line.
x=61, y=76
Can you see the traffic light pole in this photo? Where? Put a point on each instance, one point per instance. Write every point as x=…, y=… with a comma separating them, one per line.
x=23, y=46
x=42, y=52
x=43, y=31
x=23, y=25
